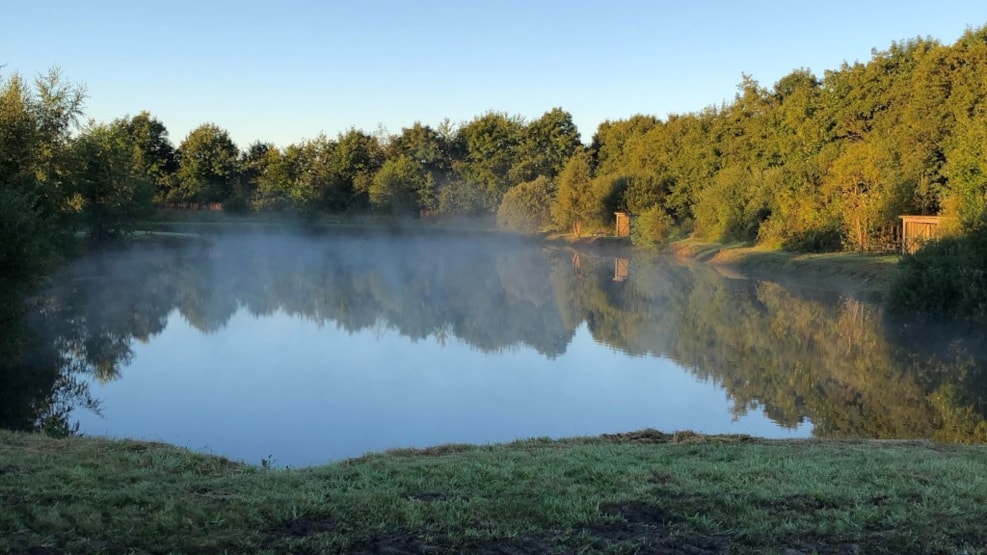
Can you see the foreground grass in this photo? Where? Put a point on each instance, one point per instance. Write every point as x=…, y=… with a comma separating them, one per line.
x=641, y=492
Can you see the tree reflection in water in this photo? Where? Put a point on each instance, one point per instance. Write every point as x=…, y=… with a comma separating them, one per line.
x=798, y=355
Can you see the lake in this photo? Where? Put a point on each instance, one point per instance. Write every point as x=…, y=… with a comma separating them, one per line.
x=300, y=350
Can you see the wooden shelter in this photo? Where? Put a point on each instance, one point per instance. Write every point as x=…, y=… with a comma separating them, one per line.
x=918, y=230
x=621, y=268
x=623, y=224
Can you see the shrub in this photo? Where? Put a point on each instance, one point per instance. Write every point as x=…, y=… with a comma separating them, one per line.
x=527, y=206
x=651, y=228
x=946, y=279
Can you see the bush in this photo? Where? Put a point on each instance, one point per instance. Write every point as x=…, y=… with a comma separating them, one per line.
x=815, y=240
x=651, y=228
x=527, y=207
x=946, y=279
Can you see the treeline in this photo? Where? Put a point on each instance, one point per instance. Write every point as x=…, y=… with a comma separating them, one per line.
x=818, y=164
x=810, y=164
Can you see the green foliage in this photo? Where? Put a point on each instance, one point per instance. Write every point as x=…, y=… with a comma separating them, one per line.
x=19, y=137
x=110, y=183
x=57, y=109
x=574, y=197
x=945, y=279
x=651, y=227
x=607, y=196
x=720, y=207
x=355, y=157
x=269, y=177
x=402, y=186
x=207, y=165
x=492, y=142
x=459, y=196
x=35, y=138
x=433, y=150
x=25, y=251
x=527, y=207
x=813, y=162
x=546, y=145
x=966, y=173
x=154, y=155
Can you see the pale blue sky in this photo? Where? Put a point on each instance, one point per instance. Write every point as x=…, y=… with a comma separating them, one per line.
x=285, y=71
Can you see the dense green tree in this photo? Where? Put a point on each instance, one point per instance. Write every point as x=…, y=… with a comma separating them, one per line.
x=460, y=196
x=546, y=145
x=574, y=204
x=35, y=133
x=251, y=165
x=402, y=186
x=492, y=142
x=57, y=106
x=112, y=185
x=270, y=185
x=312, y=179
x=423, y=145
x=207, y=166
x=651, y=228
x=527, y=207
x=25, y=227
x=356, y=157
x=432, y=149
x=19, y=137
x=612, y=136
x=155, y=156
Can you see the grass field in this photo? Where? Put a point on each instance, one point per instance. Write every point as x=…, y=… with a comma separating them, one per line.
x=644, y=492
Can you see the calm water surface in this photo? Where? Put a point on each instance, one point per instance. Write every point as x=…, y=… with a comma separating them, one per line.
x=307, y=350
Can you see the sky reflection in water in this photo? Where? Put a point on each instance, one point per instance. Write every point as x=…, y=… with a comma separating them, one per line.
x=284, y=387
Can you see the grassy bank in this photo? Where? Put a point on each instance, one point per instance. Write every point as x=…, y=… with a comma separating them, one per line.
x=861, y=273
x=641, y=492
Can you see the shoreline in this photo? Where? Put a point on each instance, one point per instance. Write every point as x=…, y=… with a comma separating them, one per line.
x=855, y=273
x=866, y=275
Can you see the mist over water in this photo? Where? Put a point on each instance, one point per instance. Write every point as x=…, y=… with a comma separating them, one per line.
x=310, y=349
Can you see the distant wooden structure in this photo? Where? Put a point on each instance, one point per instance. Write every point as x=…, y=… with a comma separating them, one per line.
x=210, y=206
x=623, y=224
x=918, y=230
x=621, y=269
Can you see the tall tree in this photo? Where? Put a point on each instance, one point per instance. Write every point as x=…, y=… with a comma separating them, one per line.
x=573, y=205
x=402, y=186
x=207, y=165
x=431, y=149
x=491, y=142
x=58, y=109
x=155, y=156
x=35, y=130
x=111, y=183
x=355, y=158
x=546, y=145
x=252, y=164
